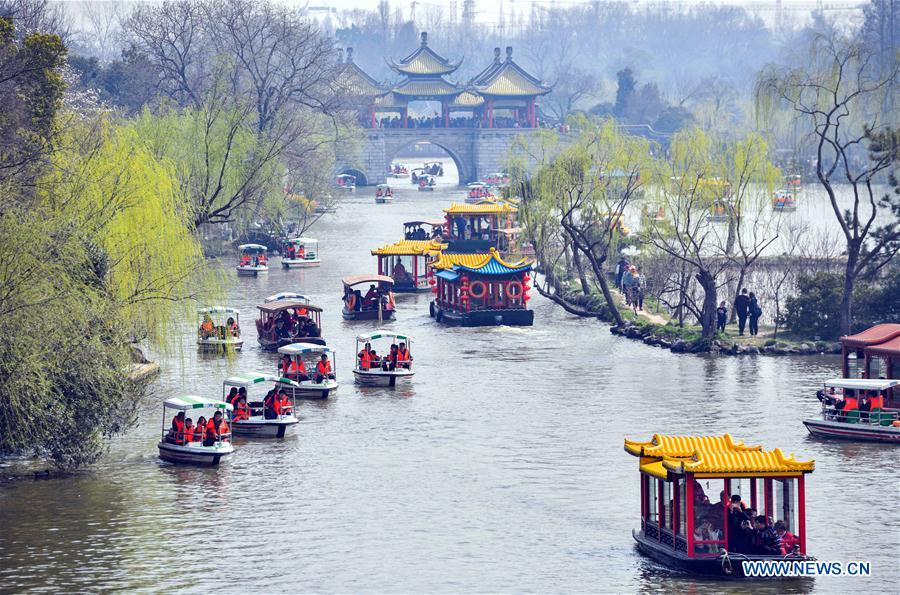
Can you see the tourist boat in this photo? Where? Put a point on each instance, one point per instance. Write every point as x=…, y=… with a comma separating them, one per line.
x=477, y=192
x=398, y=171
x=434, y=169
x=497, y=179
x=793, y=182
x=416, y=173
x=379, y=306
x=842, y=417
x=415, y=230
x=383, y=194
x=219, y=329
x=406, y=263
x=301, y=253
x=253, y=260
x=287, y=295
x=511, y=245
x=274, y=317
x=479, y=221
x=784, y=201
x=345, y=182
x=426, y=183
x=686, y=485
x=257, y=425
x=369, y=373
x=654, y=212
x=481, y=290
x=310, y=355
x=193, y=453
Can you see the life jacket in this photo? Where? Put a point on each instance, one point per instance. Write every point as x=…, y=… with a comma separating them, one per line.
x=365, y=359
x=223, y=427
x=324, y=368
x=285, y=367
x=850, y=403
x=269, y=401
x=877, y=402
x=402, y=356
x=282, y=406
x=179, y=430
x=189, y=434
x=211, y=429
x=241, y=411
x=298, y=368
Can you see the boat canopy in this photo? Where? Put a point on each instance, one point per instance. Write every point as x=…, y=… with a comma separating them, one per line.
x=298, y=348
x=409, y=248
x=488, y=264
x=217, y=310
x=359, y=279
x=346, y=177
x=194, y=402
x=302, y=241
x=712, y=456
x=862, y=383
x=432, y=223
x=382, y=335
x=383, y=186
x=287, y=295
x=280, y=305
x=482, y=208
x=252, y=248
x=251, y=378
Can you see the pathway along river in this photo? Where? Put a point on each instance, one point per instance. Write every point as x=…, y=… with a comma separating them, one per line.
x=500, y=469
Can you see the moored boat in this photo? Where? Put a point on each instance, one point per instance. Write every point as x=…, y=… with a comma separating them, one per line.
x=376, y=304
x=301, y=253
x=253, y=416
x=855, y=409
x=391, y=369
x=301, y=363
x=219, y=329
x=383, y=194
x=253, y=260
x=685, y=528
x=179, y=444
x=282, y=322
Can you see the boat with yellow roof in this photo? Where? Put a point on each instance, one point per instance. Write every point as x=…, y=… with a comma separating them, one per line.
x=406, y=263
x=696, y=492
x=480, y=221
x=481, y=289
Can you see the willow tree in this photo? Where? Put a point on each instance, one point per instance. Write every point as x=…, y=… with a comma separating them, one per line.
x=582, y=195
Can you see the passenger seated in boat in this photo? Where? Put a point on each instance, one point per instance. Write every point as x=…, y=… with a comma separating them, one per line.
x=738, y=526
x=232, y=327
x=176, y=432
x=399, y=273
x=216, y=430
x=206, y=327
x=232, y=396
x=371, y=297
x=298, y=371
x=188, y=430
x=357, y=301
x=245, y=260
x=366, y=357
x=789, y=542
x=323, y=370
x=199, y=429
x=269, y=404
x=241, y=410
x=390, y=361
x=290, y=251
x=404, y=357
x=706, y=532
x=765, y=540
x=283, y=404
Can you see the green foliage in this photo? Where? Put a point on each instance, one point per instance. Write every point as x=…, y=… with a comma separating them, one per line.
x=815, y=311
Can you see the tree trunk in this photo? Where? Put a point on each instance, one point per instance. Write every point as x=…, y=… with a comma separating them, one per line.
x=610, y=301
x=849, y=281
x=708, y=314
x=576, y=259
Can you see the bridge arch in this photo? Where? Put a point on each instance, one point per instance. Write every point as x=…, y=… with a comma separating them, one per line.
x=457, y=146
x=361, y=178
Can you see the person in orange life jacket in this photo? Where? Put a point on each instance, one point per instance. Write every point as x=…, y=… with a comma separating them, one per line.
x=269, y=403
x=216, y=429
x=176, y=432
x=188, y=430
x=301, y=253
x=283, y=404
x=365, y=357
x=390, y=362
x=232, y=326
x=297, y=370
x=323, y=369
x=241, y=410
x=404, y=357
x=199, y=429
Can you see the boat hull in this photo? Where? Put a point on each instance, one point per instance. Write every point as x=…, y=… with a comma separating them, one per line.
x=400, y=176
x=220, y=344
x=194, y=455
x=382, y=377
x=251, y=271
x=366, y=314
x=382, y=200
x=483, y=317
x=426, y=188
x=295, y=263
x=852, y=431
x=259, y=427
x=311, y=390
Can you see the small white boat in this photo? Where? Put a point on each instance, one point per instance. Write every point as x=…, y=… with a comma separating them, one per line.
x=477, y=192
x=784, y=201
x=845, y=417
x=253, y=260
x=301, y=253
x=398, y=171
x=304, y=378
x=426, y=183
x=287, y=295
x=372, y=369
x=383, y=194
x=219, y=329
x=259, y=423
x=345, y=182
x=173, y=445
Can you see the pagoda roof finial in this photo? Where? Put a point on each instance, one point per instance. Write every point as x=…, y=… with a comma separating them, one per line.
x=509, y=53
x=349, y=54
x=496, y=55
x=424, y=38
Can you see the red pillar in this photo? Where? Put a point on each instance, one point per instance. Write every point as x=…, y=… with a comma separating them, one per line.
x=490, y=108
x=801, y=512
x=406, y=117
x=373, y=121
x=532, y=113
x=689, y=511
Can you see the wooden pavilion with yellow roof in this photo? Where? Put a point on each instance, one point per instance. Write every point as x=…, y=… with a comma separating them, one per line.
x=481, y=290
x=507, y=86
x=406, y=263
x=687, y=483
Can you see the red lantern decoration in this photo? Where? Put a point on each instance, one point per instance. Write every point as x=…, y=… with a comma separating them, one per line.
x=526, y=278
x=526, y=297
x=432, y=281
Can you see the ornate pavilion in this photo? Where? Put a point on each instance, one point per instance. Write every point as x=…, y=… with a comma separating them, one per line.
x=503, y=86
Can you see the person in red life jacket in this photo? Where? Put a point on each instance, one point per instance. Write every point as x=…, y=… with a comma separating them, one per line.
x=241, y=410
x=216, y=430
x=284, y=366
x=323, y=370
x=301, y=253
x=390, y=362
x=269, y=404
x=298, y=370
x=788, y=540
x=245, y=260
x=176, y=432
x=188, y=430
x=283, y=404
x=365, y=357
x=404, y=357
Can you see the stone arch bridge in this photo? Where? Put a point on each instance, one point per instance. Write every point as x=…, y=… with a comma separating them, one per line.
x=475, y=151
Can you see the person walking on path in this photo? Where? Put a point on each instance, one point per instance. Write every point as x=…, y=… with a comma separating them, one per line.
x=621, y=266
x=742, y=308
x=628, y=283
x=755, y=312
x=721, y=317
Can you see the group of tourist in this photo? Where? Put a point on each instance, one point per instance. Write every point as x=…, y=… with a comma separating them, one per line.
x=419, y=233
x=458, y=122
x=293, y=324
x=295, y=369
x=294, y=252
x=748, y=532
x=374, y=297
x=183, y=431
x=252, y=260
x=208, y=329
x=630, y=281
x=863, y=401
x=747, y=308
x=398, y=357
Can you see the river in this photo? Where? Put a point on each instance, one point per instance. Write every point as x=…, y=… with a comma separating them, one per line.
x=500, y=469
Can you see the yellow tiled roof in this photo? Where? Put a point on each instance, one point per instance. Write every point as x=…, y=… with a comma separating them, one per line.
x=409, y=247
x=482, y=208
x=509, y=81
x=356, y=83
x=475, y=261
x=426, y=62
x=468, y=99
x=425, y=87
x=711, y=455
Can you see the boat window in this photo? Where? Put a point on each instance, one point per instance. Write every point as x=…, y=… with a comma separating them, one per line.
x=709, y=517
x=666, y=519
x=742, y=487
x=682, y=508
x=785, y=502
x=652, y=500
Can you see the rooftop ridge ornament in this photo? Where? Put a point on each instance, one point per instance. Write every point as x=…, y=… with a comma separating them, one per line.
x=350, y=54
x=496, y=55
x=509, y=53
x=424, y=37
